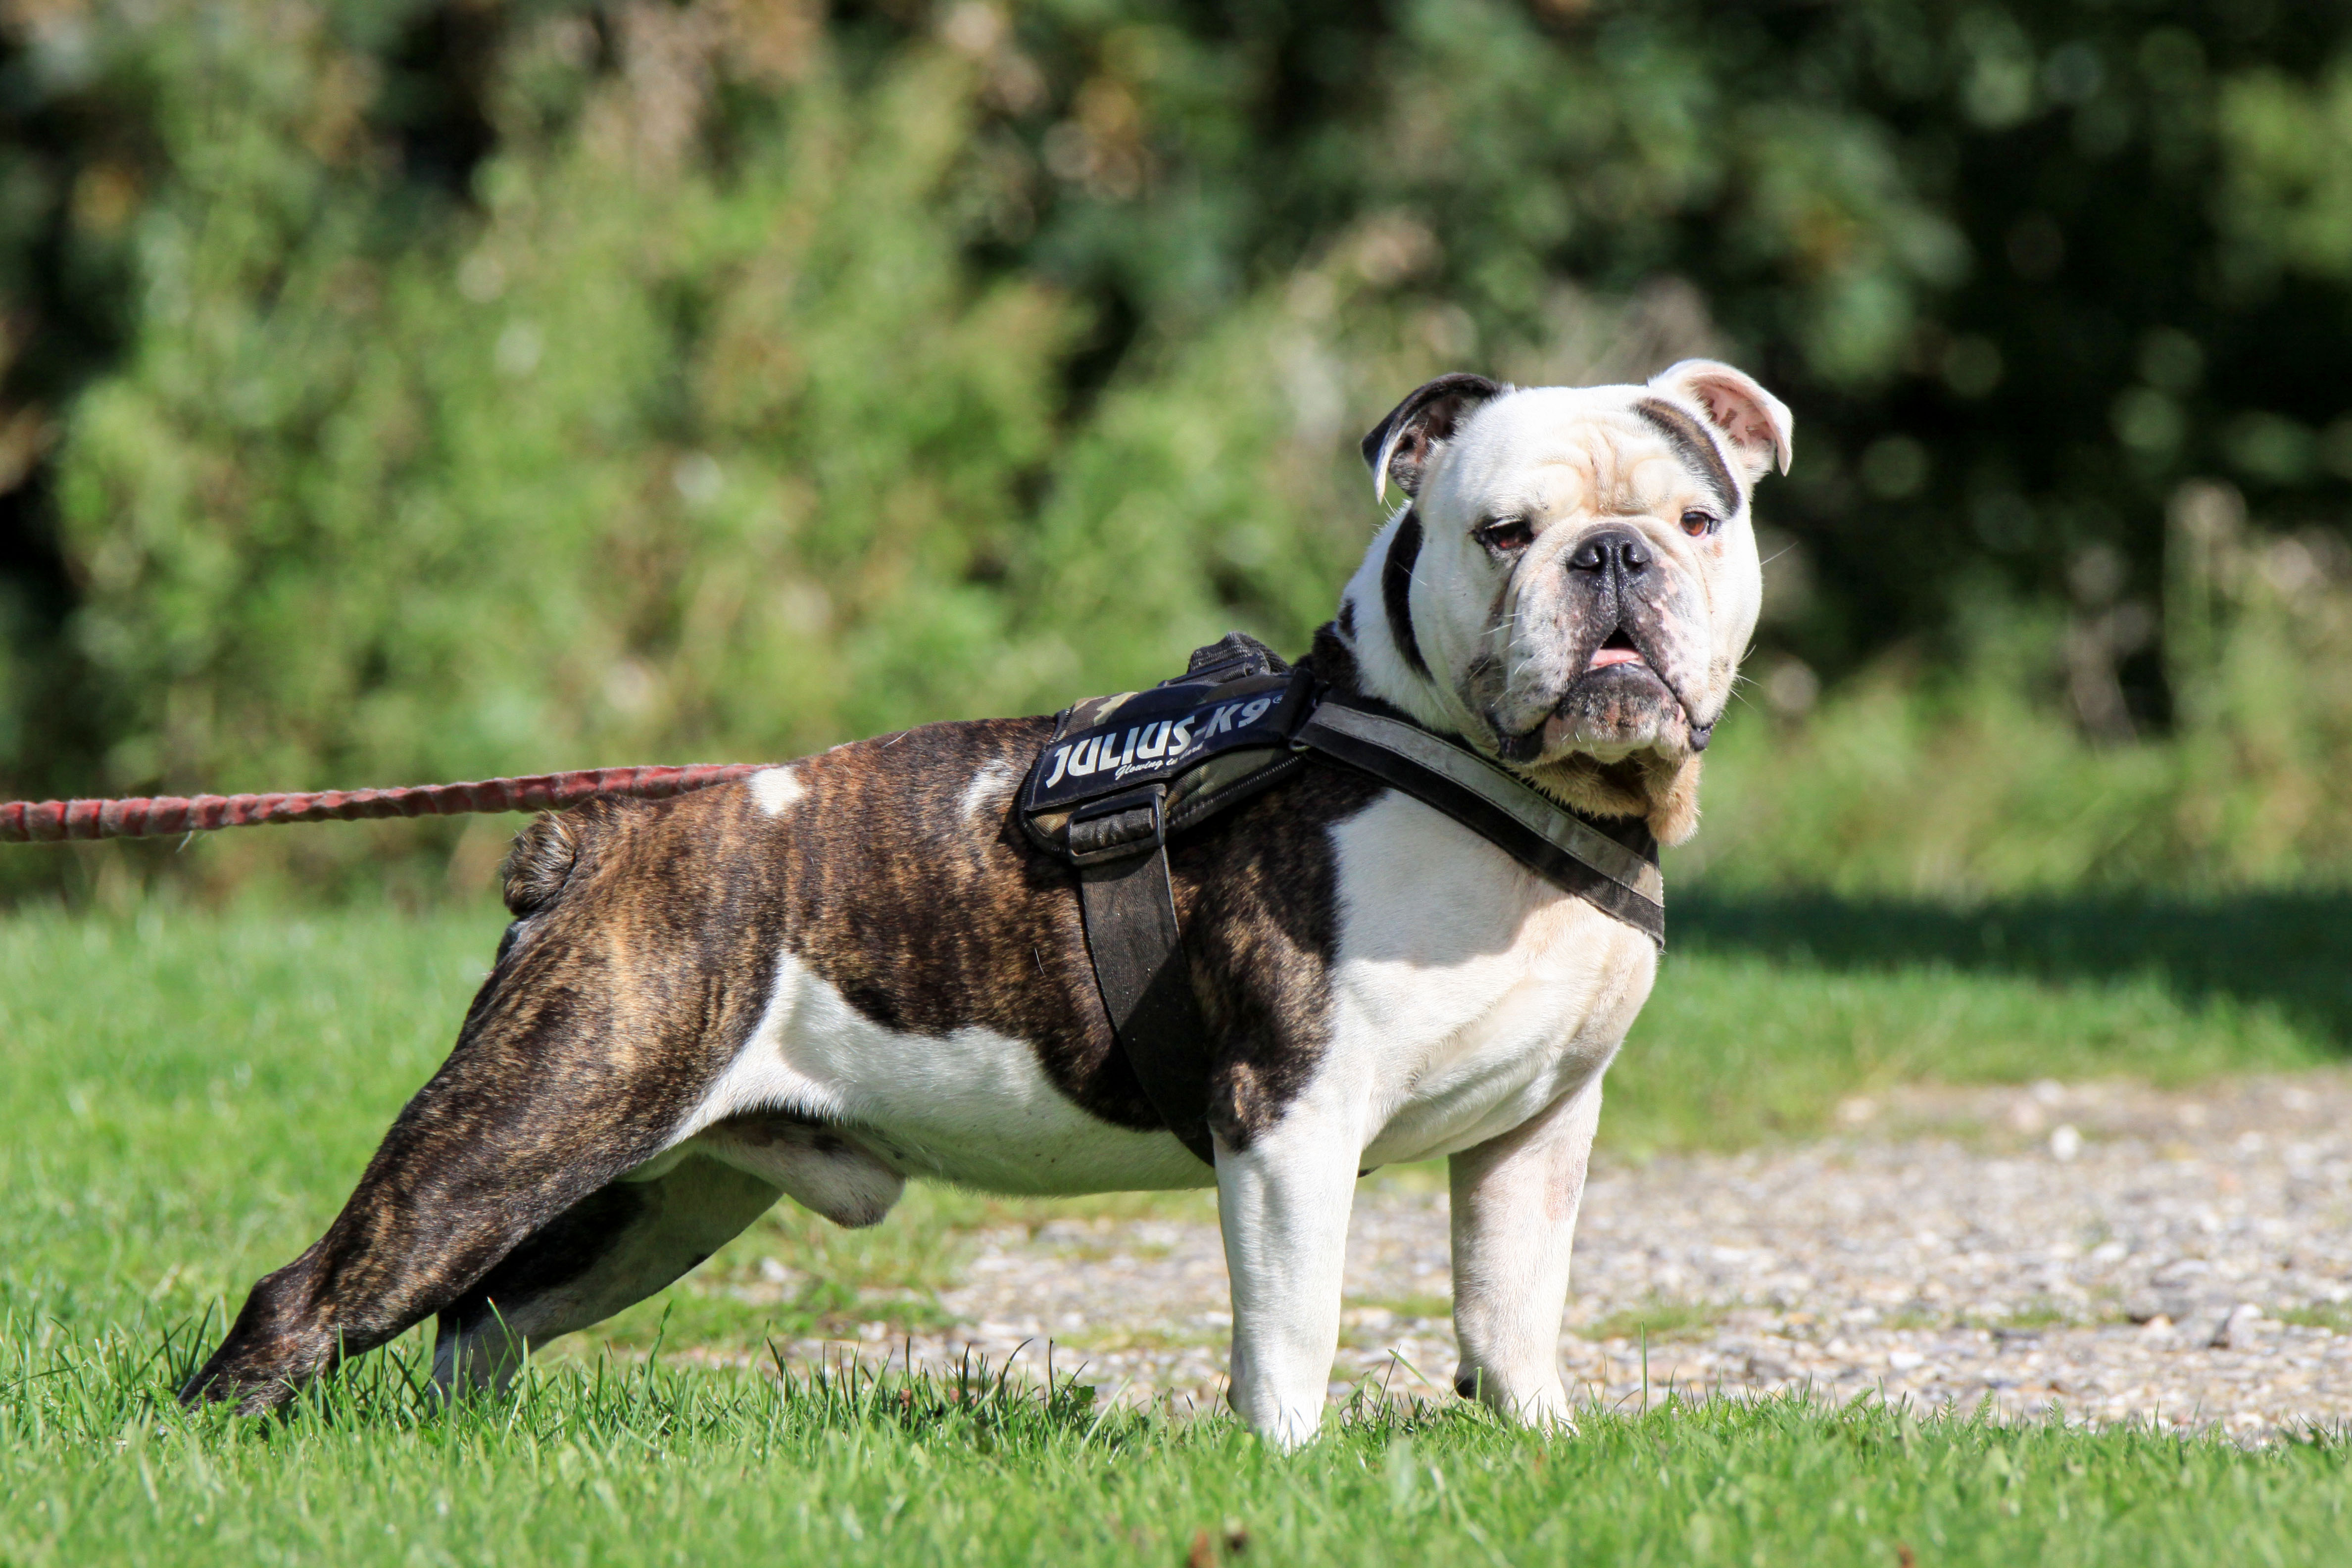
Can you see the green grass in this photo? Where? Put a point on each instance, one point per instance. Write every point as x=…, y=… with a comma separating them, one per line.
x=2336, y=1317
x=186, y=1097
x=1658, y=1320
x=2280, y=953
x=647, y=1465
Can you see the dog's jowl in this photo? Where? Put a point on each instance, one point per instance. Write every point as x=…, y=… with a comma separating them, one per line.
x=858, y=969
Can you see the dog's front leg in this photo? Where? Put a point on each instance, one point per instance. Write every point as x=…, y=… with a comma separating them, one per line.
x=1282, y=1202
x=1514, y=1200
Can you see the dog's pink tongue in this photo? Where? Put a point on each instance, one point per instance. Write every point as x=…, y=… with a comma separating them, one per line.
x=1603, y=658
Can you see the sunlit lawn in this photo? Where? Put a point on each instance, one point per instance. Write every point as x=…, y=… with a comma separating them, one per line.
x=188, y=1095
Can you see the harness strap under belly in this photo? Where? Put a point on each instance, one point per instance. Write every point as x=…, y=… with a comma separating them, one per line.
x=1239, y=722
x=1129, y=908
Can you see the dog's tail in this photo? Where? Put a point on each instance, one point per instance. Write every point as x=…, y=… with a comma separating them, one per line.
x=538, y=863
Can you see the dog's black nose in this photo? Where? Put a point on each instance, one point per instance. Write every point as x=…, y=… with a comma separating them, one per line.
x=1615, y=549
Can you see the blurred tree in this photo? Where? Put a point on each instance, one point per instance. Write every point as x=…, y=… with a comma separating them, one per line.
x=2023, y=270
x=448, y=386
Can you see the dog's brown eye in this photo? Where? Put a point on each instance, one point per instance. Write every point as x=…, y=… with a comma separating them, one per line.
x=1698, y=524
x=1505, y=535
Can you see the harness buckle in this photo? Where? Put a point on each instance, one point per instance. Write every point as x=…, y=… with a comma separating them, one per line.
x=1118, y=826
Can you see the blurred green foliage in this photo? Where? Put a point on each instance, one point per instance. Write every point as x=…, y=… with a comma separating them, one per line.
x=1968, y=780
x=431, y=388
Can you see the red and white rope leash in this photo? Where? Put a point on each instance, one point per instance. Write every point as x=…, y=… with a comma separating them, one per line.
x=50, y=821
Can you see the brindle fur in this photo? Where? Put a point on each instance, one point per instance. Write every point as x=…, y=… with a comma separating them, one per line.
x=644, y=951
x=607, y=1015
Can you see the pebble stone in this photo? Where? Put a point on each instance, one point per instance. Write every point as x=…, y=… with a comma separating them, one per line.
x=2103, y=1252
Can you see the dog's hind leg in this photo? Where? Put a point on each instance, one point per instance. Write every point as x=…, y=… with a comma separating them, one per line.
x=610, y=1250
x=617, y=1005
x=511, y=1134
x=623, y=1242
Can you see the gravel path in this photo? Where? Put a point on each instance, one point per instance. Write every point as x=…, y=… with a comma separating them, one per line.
x=2116, y=1253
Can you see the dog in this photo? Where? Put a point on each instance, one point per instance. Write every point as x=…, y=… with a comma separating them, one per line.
x=854, y=969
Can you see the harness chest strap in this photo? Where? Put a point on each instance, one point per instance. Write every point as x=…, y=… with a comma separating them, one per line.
x=1129, y=899
x=1516, y=817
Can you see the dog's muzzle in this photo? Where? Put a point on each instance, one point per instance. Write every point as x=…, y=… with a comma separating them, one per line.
x=1620, y=692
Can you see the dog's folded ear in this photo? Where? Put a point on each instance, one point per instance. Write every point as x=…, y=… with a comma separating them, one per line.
x=1399, y=447
x=1757, y=425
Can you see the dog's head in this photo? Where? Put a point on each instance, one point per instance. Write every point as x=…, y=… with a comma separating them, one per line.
x=1574, y=577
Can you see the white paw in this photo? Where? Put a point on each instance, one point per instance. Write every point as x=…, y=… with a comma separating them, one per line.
x=1284, y=1427
x=1546, y=1410
x=1291, y=1430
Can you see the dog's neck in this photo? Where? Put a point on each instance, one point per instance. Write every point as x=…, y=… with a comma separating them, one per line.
x=1361, y=651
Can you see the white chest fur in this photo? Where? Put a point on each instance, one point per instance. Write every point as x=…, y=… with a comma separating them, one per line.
x=1469, y=994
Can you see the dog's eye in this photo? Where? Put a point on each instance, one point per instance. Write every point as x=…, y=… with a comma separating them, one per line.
x=1505, y=535
x=1698, y=523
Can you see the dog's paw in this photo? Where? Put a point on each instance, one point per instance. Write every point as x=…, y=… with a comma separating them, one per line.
x=1290, y=1430
x=1545, y=1410
x=1284, y=1427
x=1549, y=1415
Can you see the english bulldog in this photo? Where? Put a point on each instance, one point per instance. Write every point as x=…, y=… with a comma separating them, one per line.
x=855, y=969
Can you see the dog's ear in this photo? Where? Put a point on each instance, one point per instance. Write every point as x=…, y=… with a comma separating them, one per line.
x=1757, y=425
x=1399, y=447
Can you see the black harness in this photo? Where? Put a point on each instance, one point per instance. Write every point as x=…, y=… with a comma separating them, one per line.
x=1123, y=773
